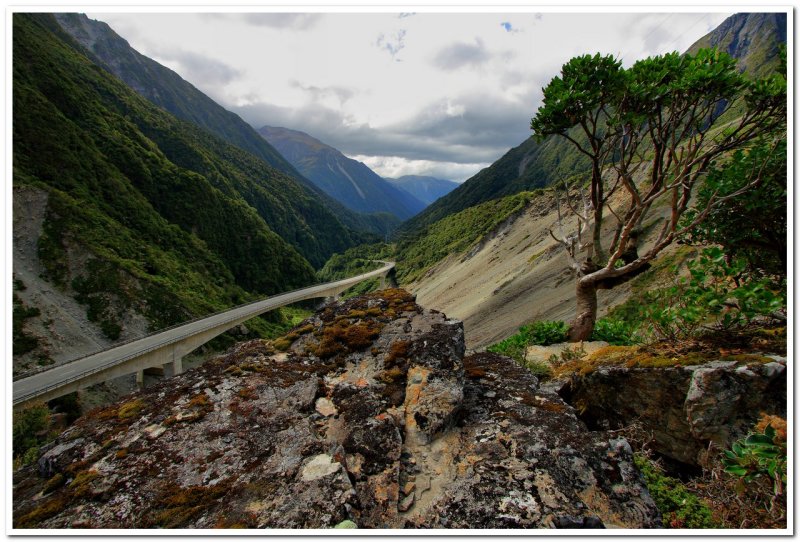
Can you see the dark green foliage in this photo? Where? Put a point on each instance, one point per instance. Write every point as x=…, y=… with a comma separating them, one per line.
x=753, y=225
x=615, y=331
x=29, y=430
x=23, y=343
x=679, y=508
x=454, y=234
x=716, y=294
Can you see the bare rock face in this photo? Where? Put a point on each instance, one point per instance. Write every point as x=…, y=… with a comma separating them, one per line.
x=371, y=415
x=685, y=407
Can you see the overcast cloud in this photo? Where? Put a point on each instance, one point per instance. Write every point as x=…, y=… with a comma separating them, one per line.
x=430, y=94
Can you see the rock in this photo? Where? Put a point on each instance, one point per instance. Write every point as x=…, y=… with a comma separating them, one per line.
x=325, y=407
x=319, y=467
x=373, y=417
x=684, y=407
x=406, y=503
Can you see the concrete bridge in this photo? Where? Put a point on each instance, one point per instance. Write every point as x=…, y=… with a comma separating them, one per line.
x=166, y=346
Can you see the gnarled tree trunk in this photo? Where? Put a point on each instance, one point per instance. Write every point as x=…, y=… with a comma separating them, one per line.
x=586, y=311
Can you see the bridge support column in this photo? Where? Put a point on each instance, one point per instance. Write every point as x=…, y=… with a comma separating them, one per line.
x=140, y=379
x=383, y=282
x=177, y=366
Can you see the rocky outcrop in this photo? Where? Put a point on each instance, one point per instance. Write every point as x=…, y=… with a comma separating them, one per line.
x=370, y=415
x=683, y=408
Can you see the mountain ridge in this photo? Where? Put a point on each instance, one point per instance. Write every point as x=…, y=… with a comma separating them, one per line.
x=348, y=181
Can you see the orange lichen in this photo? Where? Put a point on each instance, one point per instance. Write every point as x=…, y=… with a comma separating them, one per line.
x=776, y=422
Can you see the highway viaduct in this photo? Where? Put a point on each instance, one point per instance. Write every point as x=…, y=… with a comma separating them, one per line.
x=166, y=346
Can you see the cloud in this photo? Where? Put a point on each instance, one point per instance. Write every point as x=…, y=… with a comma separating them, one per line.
x=395, y=166
x=458, y=130
x=196, y=67
x=393, y=43
x=287, y=21
x=458, y=55
x=318, y=94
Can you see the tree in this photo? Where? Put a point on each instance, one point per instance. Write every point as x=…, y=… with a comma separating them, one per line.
x=651, y=132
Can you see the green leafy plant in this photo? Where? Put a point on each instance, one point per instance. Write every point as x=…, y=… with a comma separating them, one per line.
x=758, y=455
x=615, y=331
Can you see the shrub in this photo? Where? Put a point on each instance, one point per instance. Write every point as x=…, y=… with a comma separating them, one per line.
x=537, y=333
x=718, y=293
x=546, y=333
x=615, y=331
x=28, y=427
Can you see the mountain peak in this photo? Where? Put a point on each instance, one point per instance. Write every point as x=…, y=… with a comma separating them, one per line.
x=349, y=181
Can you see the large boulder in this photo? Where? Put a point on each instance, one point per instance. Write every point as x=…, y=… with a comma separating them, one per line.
x=366, y=413
x=684, y=408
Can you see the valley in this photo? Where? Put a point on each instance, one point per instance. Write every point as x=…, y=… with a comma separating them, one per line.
x=237, y=313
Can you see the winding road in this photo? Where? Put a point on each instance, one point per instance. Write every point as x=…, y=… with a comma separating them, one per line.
x=166, y=346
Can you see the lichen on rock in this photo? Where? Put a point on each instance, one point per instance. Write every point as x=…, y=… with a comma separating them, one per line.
x=370, y=415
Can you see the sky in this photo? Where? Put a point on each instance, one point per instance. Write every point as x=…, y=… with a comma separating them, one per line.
x=441, y=94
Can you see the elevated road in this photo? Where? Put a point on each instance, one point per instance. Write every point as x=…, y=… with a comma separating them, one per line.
x=167, y=346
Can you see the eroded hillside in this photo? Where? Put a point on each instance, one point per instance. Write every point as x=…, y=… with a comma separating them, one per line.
x=515, y=274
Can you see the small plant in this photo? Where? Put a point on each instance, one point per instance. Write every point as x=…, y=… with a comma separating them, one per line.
x=760, y=454
x=679, y=508
x=717, y=295
x=566, y=355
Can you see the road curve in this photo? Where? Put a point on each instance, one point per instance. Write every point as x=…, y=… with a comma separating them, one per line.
x=29, y=388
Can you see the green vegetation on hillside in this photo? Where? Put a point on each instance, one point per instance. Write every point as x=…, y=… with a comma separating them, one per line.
x=455, y=234
x=158, y=207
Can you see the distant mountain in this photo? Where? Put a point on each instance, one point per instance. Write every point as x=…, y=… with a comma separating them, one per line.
x=424, y=188
x=753, y=38
x=168, y=90
x=348, y=181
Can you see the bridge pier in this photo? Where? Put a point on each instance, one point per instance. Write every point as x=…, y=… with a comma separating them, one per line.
x=383, y=282
x=140, y=378
x=177, y=366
